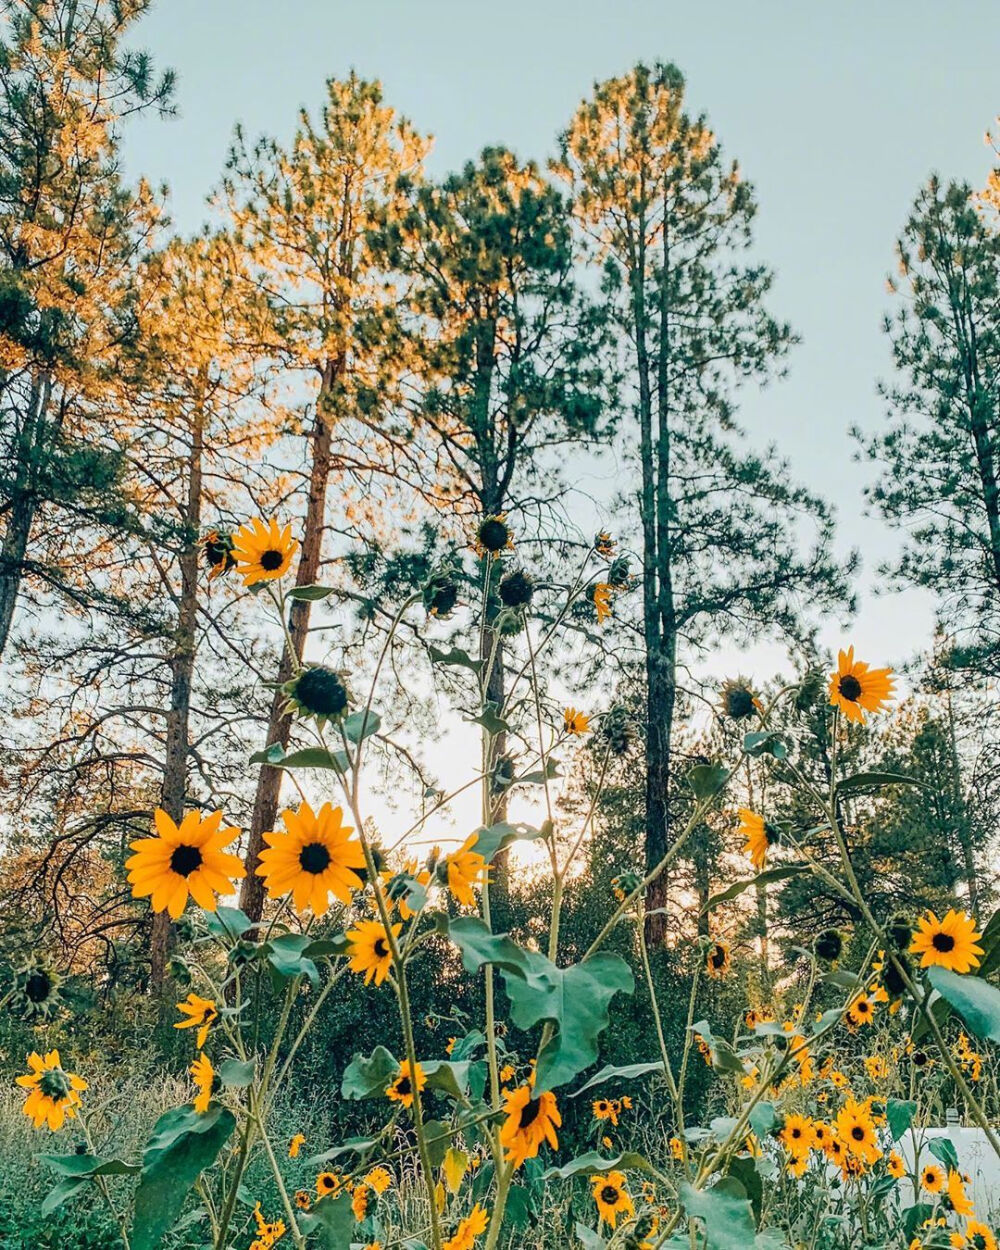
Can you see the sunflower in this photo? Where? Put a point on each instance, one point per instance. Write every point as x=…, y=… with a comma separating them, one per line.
x=201, y=1015
x=932, y=1178
x=717, y=960
x=203, y=1075
x=327, y=1183
x=760, y=836
x=302, y=1200
x=612, y=1197
x=948, y=943
x=797, y=1135
x=493, y=535
x=369, y=949
x=400, y=886
x=295, y=1145
x=36, y=990
x=182, y=860
x=313, y=858
x=217, y=548
x=738, y=699
x=516, y=589
x=979, y=1236
x=529, y=1122
x=957, y=1197
x=855, y=688
x=318, y=693
x=896, y=1167
x=465, y=868
x=263, y=552
x=575, y=722
x=856, y=1130
x=507, y=1073
x=829, y=945
x=468, y=1230
x=401, y=1087
x=822, y=1134
x=601, y=597
x=861, y=1010
x=835, y=1149
x=605, y=1109
x=54, y=1095
x=604, y=545
x=378, y=1179
x=359, y=1202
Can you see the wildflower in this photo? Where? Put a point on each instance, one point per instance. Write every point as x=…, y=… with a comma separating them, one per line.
x=184, y=860
x=529, y=1122
x=676, y=1148
x=861, y=1011
x=318, y=693
x=516, y=589
x=263, y=552
x=797, y=1135
x=36, y=986
x=493, y=535
x=440, y=593
x=313, y=858
x=204, y=1078
x=54, y=1095
x=604, y=1109
x=932, y=1178
x=948, y=943
x=507, y=1073
x=217, y=548
x=855, y=688
x=979, y=1236
x=327, y=1183
x=717, y=960
x=575, y=722
x=900, y=930
x=760, y=836
x=612, y=1197
x=359, y=1202
x=957, y=1196
x=401, y=1087
x=302, y=1200
x=896, y=1167
x=830, y=945
x=738, y=699
x=465, y=868
x=876, y=1067
x=605, y=546
x=295, y=1145
x=422, y=876
x=201, y=1015
x=821, y=1134
x=601, y=597
x=468, y=1230
x=378, y=1179
x=856, y=1130
x=369, y=949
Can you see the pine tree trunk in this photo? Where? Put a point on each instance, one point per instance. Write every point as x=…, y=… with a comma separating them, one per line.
x=22, y=508
x=266, y=798
x=495, y=806
x=173, y=793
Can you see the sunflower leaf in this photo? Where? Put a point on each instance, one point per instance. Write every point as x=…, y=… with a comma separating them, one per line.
x=365, y=1077
x=707, y=779
x=588, y=1238
x=763, y=878
x=360, y=725
x=873, y=780
x=287, y=958
x=490, y=719
x=593, y=1163
x=227, y=922
x=332, y=1220
x=490, y=841
x=727, y=1215
x=975, y=1000
x=308, y=757
x=943, y=1148
x=900, y=1116
x=455, y=657
x=765, y=743
x=623, y=1072
x=309, y=594
x=183, y=1143
x=236, y=1075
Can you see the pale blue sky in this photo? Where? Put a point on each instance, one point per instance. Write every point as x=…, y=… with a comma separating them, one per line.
x=837, y=113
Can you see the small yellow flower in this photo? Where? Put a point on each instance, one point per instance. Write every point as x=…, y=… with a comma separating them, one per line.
x=466, y=868
x=401, y=1087
x=201, y=1014
x=204, y=1078
x=575, y=722
x=369, y=950
x=295, y=1145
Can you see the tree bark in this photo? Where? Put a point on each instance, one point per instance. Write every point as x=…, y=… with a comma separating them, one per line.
x=266, y=798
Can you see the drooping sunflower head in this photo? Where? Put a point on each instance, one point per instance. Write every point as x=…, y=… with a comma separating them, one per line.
x=440, y=592
x=370, y=951
x=739, y=702
x=979, y=1236
x=313, y=858
x=494, y=535
x=957, y=1199
x=263, y=553
x=574, y=722
x=900, y=930
x=856, y=689
x=829, y=946
x=36, y=990
x=604, y=545
x=619, y=573
x=184, y=860
x=502, y=774
x=717, y=960
x=618, y=731
x=463, y=870
x=199, y=1013
x=760, y=835
x=891, y=978
x=600, y=595
x=516, y=589
x=206, y=1082
x=809, y=690
x=949, y=943
x=318, y=693
x=612, y=1197
x=401, y=1087
x=217, y=550
x=528, y=1124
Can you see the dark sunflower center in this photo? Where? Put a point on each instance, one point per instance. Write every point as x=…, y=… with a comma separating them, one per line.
x=314, y=858
x=54, y=1084
x=37, y=987
x=327, y=1182
x=863, y=1007
x=185, y=859
x=320, y=692
x=796, y=1132
x=919, y=1058
x=609, y=1195
x=530, y=1112
x=943, y=942
x=858, y=1133
x=271, y=560
x=403, y=1086
x=718, y=957
x=977, y=1241
x=850, y=687
x=381, y=948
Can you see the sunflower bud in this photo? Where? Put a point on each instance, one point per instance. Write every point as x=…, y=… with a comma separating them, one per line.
x=738, y=699
x=900, y=930
x=829, y=945
x=318, y=692
x=605, y=545
x=617, y=731
x=619, y=573
x=440, y=593
x=217, y=548
x=379, y=859
x=515, y=590
x=502, y=776
x=892, y=978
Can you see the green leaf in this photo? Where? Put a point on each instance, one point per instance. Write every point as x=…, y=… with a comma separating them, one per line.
x=353, y=1145
x=990, y=942
x=975, y=1000
x=365, y=1077
x=624, y=1072
x=762, y=878
x=227, y=922
x=594, y=1164
x=727, y=1215
x=743, y=1169
x=286, y=956
x=540, y=776
x=360, y=725
x=450, y=1077
x=182, y=1145
x=439, y=1135
x=309, y=594
x=236, y=1075
x=707, y=779
x=308, y=757
x=456, y=658
x=76, y=1172
x=490, y=720
x=943, y=1148
x=332, y=1220
x=588, y=1238
x=763, y=1119
x=872, y=781
x=480, y=945
x=765, y=743
x=900, y=1116
x=490, y=841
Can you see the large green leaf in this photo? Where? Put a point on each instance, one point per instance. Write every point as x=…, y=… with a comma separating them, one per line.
x=588, y=1238
x=76, y=1172
x=480, y=945
x=287, y=958
x=490, y=841
x=594, y=1164
x=875, y=780
x=623, y=1072
x=309, y=594
x=975, y=1000
x=900, y=1116
x=455, y=657
x=707, y=779
x=308, y=757
x=365, y=1077
x=943, y=1148
x=361, y=725
x=727, y=1215
x=332, y=1221
x=183, y=1144
x=764, y=878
